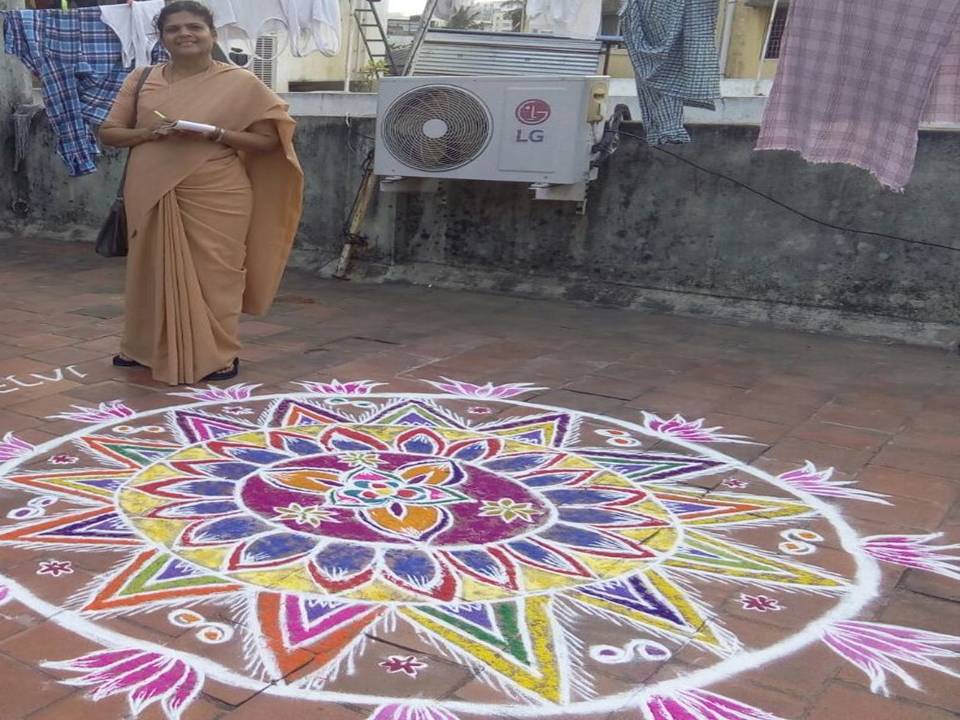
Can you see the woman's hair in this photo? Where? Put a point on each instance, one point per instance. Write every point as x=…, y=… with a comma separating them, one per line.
x=188, y=6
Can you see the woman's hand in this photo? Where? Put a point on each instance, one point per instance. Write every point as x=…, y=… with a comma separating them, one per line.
x=169, y=129
x=260, y=137
x=149, y=134
x=126, y=137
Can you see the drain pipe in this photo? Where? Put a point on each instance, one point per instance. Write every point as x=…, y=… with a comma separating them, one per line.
x=729, y=14
x=348, y=58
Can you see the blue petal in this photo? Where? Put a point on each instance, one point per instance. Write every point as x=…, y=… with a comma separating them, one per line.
x=537, y=553
x=518, y=463
x=228, y=529
x=471, y=452
x=600, y=516
x=581, y=537
x=200, y=509
x=341, y=559
x=583, y=496
x=412, y=566
x=277, y=546
x=258, y=456
x=300, y=446
x=481, y=562
x=206, y=488
x=550, y=478
x=420, y=444
x=226, y=470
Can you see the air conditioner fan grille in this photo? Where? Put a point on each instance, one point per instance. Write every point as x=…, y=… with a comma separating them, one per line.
x=436, y=128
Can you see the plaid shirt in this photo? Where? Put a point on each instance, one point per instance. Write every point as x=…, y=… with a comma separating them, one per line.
x=78, y=60
x=674, y=54
x=854, y=78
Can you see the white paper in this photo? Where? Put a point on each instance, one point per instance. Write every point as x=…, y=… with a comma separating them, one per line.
x=194, y=127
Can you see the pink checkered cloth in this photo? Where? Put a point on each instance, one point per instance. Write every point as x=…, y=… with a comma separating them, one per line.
x=853, y=81
x=943, y=105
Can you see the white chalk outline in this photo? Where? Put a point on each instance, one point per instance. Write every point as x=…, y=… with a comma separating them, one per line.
x=862, y=591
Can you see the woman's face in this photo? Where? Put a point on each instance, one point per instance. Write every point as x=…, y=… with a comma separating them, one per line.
x=186, y=35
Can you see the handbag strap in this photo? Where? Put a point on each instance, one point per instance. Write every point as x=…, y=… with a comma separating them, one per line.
x=136, y=118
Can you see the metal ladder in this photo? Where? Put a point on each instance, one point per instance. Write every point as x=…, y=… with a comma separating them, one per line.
x=368, y=20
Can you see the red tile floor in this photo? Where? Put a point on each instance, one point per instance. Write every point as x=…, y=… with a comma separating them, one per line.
x=413, y=550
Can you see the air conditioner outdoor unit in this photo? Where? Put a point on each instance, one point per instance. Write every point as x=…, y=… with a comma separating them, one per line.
x=537, y=130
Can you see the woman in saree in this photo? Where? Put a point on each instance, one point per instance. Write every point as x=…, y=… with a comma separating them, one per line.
x=211, y=217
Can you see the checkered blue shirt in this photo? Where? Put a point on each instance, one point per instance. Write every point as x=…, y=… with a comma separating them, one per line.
x=673, y=51
x=78, y=60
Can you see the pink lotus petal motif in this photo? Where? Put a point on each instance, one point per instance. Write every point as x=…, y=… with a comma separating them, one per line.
x=12, y=447
x=915, y=551
x=105, y=411
x=407, y=712
x=145, y=677
x=212, y=393
x=509, y=390
x=700, y=705
x=879, y=649
x=818, y=482
x=690, y=430
x=335, y=387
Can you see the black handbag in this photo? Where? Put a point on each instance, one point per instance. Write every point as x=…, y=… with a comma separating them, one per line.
x=112, y=239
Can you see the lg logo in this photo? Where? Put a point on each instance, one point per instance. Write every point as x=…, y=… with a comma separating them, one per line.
x=533, y=112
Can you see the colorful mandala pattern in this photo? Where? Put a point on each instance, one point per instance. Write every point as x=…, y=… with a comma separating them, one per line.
x=308, y=524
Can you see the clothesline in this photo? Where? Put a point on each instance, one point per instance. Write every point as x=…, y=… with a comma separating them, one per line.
x=305, y=26
x=82, y=56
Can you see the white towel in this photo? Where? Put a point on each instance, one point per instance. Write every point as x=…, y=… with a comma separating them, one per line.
x=314, y=26
x=134, y=25
x=565, y=18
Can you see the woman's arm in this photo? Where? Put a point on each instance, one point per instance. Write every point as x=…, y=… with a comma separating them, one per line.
x=114, y=135
x=261, y=137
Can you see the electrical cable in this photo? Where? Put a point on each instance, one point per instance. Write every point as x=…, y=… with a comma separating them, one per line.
x=783, y=205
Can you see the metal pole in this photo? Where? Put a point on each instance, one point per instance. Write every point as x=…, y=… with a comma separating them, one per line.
x=766, y=46
x=348, y=60
x=369, y=182
x=428, y=11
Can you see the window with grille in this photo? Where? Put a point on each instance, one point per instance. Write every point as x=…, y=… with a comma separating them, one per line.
x=263, y=64
x=776, y=34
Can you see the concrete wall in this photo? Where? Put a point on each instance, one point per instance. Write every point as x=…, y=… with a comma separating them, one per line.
x=656, y=234
x=659, y=233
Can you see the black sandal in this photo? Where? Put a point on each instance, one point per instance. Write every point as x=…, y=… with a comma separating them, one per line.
x=221, y=375
x=125, y=362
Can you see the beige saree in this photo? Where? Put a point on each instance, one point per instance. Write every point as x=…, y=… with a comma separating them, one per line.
x=210, y=229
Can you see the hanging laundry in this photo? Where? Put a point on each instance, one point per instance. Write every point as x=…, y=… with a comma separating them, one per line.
x=943, y=105
x=223, y=17
x=314, y=26
x=565, y=18
x=853, y=80
x=223, y=13
x=446, y=9
x=673, y=50
x=305, y=26
x=134, y=25
x=78, y=60
x=253, y=18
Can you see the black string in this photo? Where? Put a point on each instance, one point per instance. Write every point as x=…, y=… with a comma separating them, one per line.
x=779, y=203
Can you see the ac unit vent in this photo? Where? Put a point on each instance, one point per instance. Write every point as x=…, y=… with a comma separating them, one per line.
x=263, y=61
x=436, y=128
